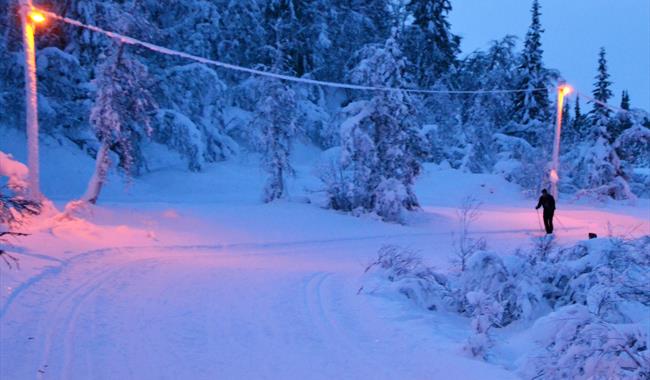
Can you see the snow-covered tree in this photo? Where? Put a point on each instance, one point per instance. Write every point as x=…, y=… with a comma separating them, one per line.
x=622, y=119
x=625, y=100
x=594, y=165
x=579, y=125
x=531, y=107
x=120, y=116
x=379, y=138
x=275, y=116
x=352, y=25
x=601, y=92
x=429, y=44
x=483, y=115
x=242, y=33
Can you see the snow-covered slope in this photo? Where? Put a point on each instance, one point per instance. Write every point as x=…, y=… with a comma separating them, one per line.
x=189, y=275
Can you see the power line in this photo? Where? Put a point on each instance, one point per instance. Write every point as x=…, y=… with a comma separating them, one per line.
x=611, y=107
x=163, y=50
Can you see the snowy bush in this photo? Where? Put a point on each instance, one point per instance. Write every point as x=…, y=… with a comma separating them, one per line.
x=633, y=146
x=465, y=246
x=390, y=197
x=180, y=134
x=589, y=302
x=596, y=170
x=15, y=173
x=13, y=185
x=575, y=343
x=407, y=275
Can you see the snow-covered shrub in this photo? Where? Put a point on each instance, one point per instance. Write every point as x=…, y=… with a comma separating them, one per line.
x=14, y=208
x=390, y=197
x=574, y=343
x=609, y=276
x=13, y=185
x=633, y=148
x=180, y=134
x=486, y=313
x=465, y=246
x=596, y=170
x=15, y=172
x=590, y=303
x=507, y=282
x=407, y=275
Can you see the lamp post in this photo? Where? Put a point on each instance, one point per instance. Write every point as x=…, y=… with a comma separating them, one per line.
x=29, y=18
x=562, y=91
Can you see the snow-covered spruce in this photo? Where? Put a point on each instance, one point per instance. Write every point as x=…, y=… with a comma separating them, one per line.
x=379, y=140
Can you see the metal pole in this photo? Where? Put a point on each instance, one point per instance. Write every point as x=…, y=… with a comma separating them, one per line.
x=555, y=161
x=31, y=101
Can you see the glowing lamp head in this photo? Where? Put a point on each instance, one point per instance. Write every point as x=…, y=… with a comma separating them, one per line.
x=36, y=16
x=565, y=89
x=554, y=177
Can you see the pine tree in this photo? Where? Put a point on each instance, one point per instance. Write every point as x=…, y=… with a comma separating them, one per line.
x=623, y=119
x=625, y=100
x=533, y=104
x=579, y=124
x=601, y=92
x=429, y=43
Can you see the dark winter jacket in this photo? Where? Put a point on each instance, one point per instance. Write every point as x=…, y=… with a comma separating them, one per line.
x=547, y=201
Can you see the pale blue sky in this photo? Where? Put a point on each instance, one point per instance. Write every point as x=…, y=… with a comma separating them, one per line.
x=575, y=30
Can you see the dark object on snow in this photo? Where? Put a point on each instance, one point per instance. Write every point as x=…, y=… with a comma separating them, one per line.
x=548, y=203
x=592, y=235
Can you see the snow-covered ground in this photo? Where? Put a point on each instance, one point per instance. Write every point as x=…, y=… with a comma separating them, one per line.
x=189, y=275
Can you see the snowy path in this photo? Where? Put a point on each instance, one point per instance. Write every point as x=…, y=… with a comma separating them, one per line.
x=197, y=313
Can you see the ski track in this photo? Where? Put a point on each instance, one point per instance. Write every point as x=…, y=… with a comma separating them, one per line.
x=295, y=319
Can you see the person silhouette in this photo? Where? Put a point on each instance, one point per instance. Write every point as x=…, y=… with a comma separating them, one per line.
x=548, y=203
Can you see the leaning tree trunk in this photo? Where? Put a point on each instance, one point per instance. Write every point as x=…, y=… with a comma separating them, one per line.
x=102, y=162
x=98, y=179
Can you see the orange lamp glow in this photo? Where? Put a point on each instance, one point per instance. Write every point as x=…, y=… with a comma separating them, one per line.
x=566, y=89
x=36, y=16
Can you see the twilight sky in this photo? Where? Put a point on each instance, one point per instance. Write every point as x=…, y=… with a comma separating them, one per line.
x=574, y=31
